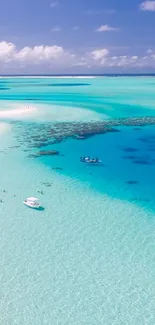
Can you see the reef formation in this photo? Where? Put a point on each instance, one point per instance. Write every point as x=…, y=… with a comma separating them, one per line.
x=42, y=135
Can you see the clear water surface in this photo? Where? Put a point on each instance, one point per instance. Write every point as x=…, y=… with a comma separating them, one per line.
x=89, y=257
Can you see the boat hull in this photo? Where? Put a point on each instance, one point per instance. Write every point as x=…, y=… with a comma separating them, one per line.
x=91, y=162
x=36, y=207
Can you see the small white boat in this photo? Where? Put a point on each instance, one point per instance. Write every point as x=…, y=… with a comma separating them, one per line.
x=32, y=202
x=90, y=161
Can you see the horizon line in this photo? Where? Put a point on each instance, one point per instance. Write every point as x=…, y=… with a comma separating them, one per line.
x=79, y=75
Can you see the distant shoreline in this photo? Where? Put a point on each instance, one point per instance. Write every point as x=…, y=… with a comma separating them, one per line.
x=53, y=77
x=78, y=76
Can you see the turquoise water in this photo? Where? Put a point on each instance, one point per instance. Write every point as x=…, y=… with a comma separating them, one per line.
x=88, y=258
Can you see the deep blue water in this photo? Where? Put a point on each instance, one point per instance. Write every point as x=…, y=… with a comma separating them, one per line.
x=128, y=163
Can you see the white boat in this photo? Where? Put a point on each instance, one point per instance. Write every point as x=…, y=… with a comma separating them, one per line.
x=90, y=161
x=32, y=202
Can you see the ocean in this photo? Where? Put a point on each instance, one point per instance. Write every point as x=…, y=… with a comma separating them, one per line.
x=88, y=257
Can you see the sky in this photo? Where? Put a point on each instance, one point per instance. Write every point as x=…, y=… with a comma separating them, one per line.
x=77, y=36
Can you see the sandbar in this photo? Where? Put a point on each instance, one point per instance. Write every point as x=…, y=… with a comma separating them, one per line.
x=8, y=113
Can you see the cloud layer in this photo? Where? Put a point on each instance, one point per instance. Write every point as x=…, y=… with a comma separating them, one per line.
x=9, y=53
x=57, y=57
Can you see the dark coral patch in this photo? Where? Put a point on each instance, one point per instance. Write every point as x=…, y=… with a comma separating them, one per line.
x=142, y=162
x=129, y=157
x=132, y=182
x=57, y=168
x=48, y=153
x=44, y=153
x=68, y=85
x=47, y=184
x=148, y=139
x=129, y=149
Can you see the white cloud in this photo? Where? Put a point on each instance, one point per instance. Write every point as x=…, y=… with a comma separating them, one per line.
x=99, y=54
x=57, y=57
x=54, y=4
x=135, y=57
x=149, y=51
x=56, y=29
x=102, y=58
x=106, y=28
x=147, y=6
x=6, y=50
x=30, y=55
x=39, y=53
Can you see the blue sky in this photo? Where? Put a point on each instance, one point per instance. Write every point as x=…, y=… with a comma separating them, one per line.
x=77, y=36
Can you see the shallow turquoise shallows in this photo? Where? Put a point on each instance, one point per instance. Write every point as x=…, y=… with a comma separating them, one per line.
x=88, y=258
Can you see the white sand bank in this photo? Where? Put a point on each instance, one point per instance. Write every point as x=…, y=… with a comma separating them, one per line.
x=18, y=112
x=47, y=112
x=48, y=77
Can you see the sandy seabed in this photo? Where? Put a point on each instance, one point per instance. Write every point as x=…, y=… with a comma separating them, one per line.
x=4, y=127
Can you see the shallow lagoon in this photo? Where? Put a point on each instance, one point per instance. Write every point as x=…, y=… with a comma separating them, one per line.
x=88, y=258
